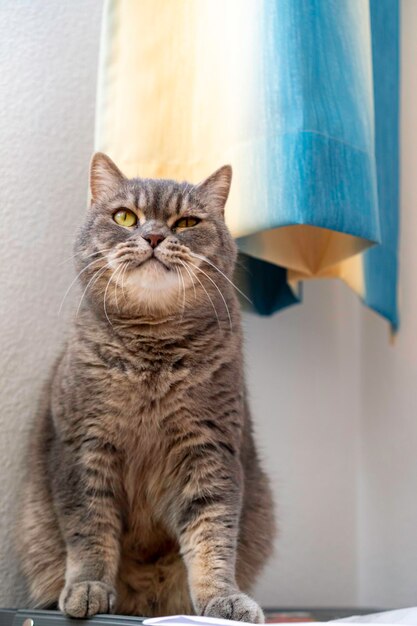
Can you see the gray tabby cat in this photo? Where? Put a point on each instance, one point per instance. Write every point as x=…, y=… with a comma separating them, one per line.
x=144, y=493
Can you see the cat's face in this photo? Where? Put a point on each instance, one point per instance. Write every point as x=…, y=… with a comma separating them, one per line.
x=145, y=243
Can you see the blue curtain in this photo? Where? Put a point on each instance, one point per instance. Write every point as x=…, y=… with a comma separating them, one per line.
x=332, y=106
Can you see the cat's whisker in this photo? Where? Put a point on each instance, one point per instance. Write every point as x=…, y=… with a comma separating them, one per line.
x=215, y=284
x=183, y=291
x=95, y=277
x=123, y=279
x=86, y=257
x=189, y=187
x=207, y=294
x=190, y=275
x=179, y=284
x=105, y=296
x=119, y=271
x=243, y=266
x=183, y=295
x=75, y=280
x=203, y=258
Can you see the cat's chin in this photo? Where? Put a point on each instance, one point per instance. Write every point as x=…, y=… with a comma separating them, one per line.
x=152, y=276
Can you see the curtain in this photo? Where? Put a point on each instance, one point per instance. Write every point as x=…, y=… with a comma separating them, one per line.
x=300, y=97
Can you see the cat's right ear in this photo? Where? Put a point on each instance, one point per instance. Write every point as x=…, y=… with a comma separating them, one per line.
x=105, y=176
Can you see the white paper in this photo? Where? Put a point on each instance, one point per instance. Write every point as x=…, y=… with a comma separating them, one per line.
x=396, y=618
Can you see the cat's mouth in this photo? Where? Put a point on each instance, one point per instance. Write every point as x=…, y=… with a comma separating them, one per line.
x=154, y=262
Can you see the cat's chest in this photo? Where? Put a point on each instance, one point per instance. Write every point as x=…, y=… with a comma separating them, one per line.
x=148, y=376
x=144, y=486
x=145, y=389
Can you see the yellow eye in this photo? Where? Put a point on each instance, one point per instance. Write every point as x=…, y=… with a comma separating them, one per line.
x=125, y=217
x=186, y=222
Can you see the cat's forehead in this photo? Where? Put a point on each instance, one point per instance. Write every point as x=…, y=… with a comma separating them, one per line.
x=159, y=199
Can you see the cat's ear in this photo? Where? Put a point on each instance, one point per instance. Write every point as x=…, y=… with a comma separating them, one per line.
x=215, y=189
x=105, y=176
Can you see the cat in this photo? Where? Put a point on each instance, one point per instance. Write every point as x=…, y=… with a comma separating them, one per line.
x=144, y=494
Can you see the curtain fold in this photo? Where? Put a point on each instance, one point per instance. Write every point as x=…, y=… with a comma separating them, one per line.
x=300, y=96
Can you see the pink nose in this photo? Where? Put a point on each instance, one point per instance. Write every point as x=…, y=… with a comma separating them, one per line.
x=154, y=239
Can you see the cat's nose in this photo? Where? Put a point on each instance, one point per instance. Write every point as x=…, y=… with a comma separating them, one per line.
x=154, y=239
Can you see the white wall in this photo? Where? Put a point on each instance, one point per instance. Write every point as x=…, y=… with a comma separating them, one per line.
x=303, y=377
x=388, y=487
x=333, y=402
x=48, y=60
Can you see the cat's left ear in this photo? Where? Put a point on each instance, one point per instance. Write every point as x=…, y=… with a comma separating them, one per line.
x=215, y=189
x=105, y=176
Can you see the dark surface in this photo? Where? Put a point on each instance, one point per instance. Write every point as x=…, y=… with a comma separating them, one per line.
x=324, y=615
x=10, y=617
x=14, y=617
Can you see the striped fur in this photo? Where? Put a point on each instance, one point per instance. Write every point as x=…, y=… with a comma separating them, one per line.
x=144, y=493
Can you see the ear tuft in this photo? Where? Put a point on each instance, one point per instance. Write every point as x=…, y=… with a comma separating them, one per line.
x=217, y=186
x=105, y=176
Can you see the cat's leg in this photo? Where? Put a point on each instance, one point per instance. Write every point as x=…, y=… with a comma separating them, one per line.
x=38, y=540
x=85, y=492
x=207, y=526
x=39, y=543
x=257, y=529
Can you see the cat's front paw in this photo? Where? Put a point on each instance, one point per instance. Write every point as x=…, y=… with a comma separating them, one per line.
x=87, y=598
x=238, y=607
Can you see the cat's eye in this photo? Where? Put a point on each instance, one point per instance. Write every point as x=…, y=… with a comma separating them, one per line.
x=125, y=217
x=186, y=222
